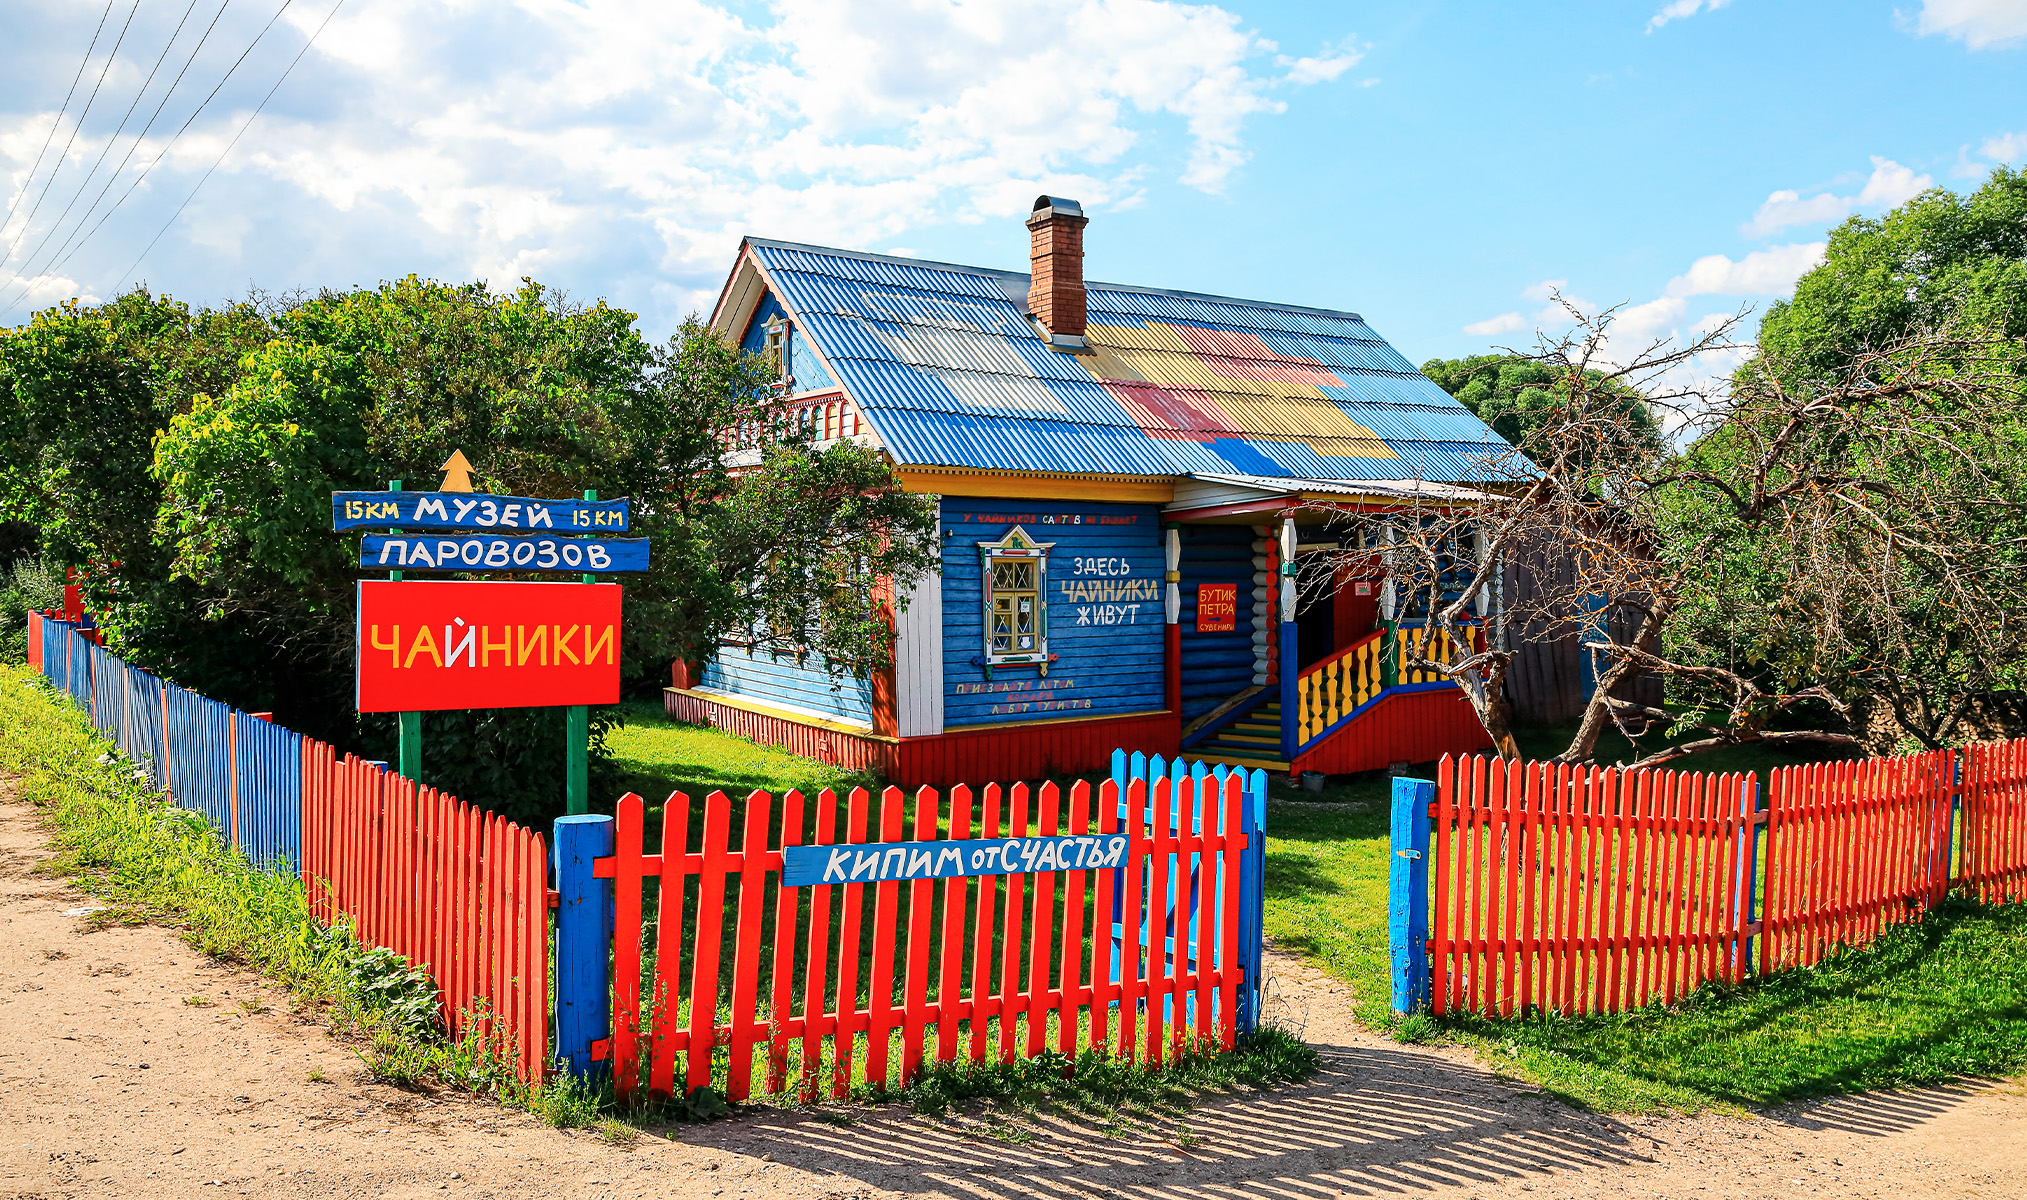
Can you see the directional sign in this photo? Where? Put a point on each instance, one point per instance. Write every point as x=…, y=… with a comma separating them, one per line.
x=435, y=644
x=879, y=862
x=469, y=510
x=498, y=552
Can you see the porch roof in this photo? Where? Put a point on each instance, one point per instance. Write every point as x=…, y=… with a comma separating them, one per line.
x=1245, y=497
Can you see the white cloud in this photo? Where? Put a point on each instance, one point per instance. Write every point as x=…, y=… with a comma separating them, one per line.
x=1511, y=322
x=1786, y=207
x=1328, y=65
x=1544, y=290
x=1888, y=185
x=1678, y=9
x=1891, y=184
x=1979, y=24
x=44, y=290
x=2006, y=148
x=1769, y=272
x=1644, y=323
x=624, y=147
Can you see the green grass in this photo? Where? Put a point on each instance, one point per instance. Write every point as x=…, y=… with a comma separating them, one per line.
x=150, y=862
x=1924, y=1004
x=654, y=756
x=155, y=863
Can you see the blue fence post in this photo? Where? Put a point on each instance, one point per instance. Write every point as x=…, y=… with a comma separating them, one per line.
x=583, y=942
x=1748, y=893
x=1951, y=819
x=1252, y=902
x=1408, y=893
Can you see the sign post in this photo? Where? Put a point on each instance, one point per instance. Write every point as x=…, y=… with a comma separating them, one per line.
x=501, y=645
x=577, y=744
x=408, y=755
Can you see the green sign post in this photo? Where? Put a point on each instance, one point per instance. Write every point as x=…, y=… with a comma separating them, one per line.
x=577, y=743
x=516, y=527
x=409, y=757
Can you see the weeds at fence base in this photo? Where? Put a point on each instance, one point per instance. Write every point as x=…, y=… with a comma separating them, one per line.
x=1924, y=1004
x=152, y=863
x=1006, y=1101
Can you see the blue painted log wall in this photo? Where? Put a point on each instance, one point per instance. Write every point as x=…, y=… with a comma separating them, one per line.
x=1216, y=665
x=1105, y=622
x=784, y=678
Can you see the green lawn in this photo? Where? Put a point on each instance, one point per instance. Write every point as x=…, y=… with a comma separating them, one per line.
x=1922, y=1005
x=656, y=756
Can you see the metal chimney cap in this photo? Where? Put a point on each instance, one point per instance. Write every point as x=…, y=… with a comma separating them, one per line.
x=1057, y=206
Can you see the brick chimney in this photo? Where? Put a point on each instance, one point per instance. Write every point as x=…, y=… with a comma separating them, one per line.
x=1056, y=265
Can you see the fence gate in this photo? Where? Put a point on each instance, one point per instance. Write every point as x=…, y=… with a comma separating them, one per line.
x=822, y=943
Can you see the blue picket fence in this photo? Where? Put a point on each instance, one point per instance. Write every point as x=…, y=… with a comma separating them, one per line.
x=1127, y=768
x=243, y=773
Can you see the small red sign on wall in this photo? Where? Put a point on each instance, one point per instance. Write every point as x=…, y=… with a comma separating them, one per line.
x=1217, y=607
x=438, y=644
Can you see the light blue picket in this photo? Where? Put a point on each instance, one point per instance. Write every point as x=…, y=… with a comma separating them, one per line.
x=209, y=757
x=1127, y=768
x=200, y=775
x=269, y=770
x=144, y=727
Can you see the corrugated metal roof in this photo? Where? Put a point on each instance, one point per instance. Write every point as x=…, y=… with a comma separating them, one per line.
x=945, y=364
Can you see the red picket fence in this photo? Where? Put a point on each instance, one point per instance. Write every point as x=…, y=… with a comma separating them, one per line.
x=835, y=984
x=1853, y=847
x=1992, y=857
x=1579, y=890
x=1572, y=889
x=463, y=894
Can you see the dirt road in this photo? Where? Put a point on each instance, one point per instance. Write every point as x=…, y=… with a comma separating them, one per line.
x=116, y=1081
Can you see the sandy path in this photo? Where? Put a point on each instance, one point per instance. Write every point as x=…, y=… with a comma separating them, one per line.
x=110, y=1084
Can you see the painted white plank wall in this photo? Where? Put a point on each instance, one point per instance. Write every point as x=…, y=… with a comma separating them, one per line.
x=918, y=658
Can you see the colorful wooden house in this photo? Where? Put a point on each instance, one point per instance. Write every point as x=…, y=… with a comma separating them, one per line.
x=1128, y=479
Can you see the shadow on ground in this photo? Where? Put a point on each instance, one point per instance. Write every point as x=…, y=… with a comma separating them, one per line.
x=1372, y=1121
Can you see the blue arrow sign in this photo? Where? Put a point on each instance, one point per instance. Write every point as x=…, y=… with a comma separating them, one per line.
x=472, y=510
x=495, y=552
x=879, y=862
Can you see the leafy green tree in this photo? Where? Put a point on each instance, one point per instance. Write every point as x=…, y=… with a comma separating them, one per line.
x=209, y=546
x=1917, y=627
x=1522, y=397
x=1940, y=263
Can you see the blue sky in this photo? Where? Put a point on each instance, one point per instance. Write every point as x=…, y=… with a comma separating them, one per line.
x=1436, y=167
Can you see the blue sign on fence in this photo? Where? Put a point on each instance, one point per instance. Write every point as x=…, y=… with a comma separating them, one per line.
x=880, y=862
x=498, y=552
x=469, y=510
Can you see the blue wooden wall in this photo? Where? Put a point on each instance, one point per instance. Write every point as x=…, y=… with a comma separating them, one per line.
x=1216, y=665
x=803, y=363
x=783, y=679
x=1109, y=654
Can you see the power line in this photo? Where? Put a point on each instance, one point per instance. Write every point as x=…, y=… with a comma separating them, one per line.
x=235, y=140
x=56, y=124
x=26, y=285
x=74, y=129
x=75, y=243
x=108, y=147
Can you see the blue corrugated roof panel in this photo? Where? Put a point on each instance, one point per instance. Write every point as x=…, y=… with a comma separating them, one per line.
x=950, y=372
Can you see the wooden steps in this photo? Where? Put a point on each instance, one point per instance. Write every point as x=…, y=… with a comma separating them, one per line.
x=1252, y=741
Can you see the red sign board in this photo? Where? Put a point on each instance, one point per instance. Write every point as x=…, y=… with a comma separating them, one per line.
x=436, y=644
x=1217, y=607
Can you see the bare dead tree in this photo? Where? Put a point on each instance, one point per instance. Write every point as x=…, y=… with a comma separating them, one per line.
x=1784, y=550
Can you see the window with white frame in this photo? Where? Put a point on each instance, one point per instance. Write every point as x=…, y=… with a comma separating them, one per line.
x=775, y=349
x=1015, y=572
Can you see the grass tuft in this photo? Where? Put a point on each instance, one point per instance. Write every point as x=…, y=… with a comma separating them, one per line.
x=147, y=861
x=1922, y=1005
